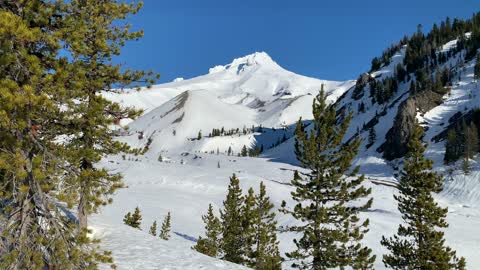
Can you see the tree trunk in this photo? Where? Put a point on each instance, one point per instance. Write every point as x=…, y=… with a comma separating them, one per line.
x=82, y=211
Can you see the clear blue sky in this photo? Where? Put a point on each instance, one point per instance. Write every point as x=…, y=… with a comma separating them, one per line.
x=333, y=40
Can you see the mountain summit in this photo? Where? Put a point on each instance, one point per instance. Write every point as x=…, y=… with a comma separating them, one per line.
x=255, y=59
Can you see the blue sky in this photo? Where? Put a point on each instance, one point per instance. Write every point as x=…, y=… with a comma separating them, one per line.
x=333, y=40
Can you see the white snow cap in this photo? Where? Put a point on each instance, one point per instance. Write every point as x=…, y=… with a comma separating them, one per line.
x=257, y=58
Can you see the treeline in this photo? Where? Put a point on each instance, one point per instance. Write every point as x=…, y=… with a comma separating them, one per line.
x=422, y=50
x=223, y=132
x=422, y=60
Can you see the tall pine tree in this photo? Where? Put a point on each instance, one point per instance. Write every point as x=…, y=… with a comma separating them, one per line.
x=35, y=82
x=233, y=237
x=419, y=244
x=266, y=252
x=328, y=195
x=95, y=31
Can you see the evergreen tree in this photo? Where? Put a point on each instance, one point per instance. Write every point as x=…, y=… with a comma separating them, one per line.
x=471, y=141
x=249, y=220
x=210, y=245
x=232, y=245
x=133, y=220
x=165, y=231
x=160, y=158
x=331, y=230
x=266, y=252
x=153, y=229
x=36, y=82
x=244, y=151
x=95, y=31
x=419, y=244
x=451, y=147
x=471, y=145
x=199, y=137
x=477, y=68
x=372, y=136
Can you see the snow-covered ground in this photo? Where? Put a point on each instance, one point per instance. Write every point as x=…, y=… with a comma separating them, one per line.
x=253, y=91
x=187, y=189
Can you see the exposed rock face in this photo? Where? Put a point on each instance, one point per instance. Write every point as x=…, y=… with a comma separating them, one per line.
x=397, y=137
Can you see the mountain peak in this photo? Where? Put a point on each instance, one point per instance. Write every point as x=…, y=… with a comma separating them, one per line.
x=254, y=59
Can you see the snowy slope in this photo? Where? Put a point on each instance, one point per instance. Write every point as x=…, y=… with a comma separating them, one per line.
x=187, y=189
x=254, y=90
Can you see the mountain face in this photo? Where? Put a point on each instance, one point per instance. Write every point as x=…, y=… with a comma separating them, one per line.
x=249, y=93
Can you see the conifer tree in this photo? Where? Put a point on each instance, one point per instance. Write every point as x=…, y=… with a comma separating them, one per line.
x=451, y=147
x=419, y=244
x=165, y=231
x=477, y=68
x=210, y=245
x=95, y=31
x=266, y=251
x=331, y=231
x=35, y=82
x=232, y=245
x=199, y=136
x=153, y=229
x=249, y=220
x=471, y=145
x=471, y=141
x=372, y=136
x=133, y=220
x=244, y=151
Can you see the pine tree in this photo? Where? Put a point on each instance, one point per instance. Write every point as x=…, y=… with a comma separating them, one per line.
x=471, y=141
x=133, y=220
x=331, y=231
x=160, y=158
x=35, y=81
x=372, y=136
x=249, y=220
x=471, y=145
x=244, y=151
x=94, y=32
x=477, y=68
x=153, y=229
x=165, y=231
x=199, y=136
x=419, y=244
x=232, y=245
x=266, y=251
x=451, y=151
x=210, y=245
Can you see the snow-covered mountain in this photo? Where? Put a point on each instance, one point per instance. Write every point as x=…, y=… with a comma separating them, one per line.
x=250, y=91
x=256, y=91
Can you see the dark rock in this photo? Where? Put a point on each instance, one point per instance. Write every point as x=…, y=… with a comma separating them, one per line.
x=397, y=137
